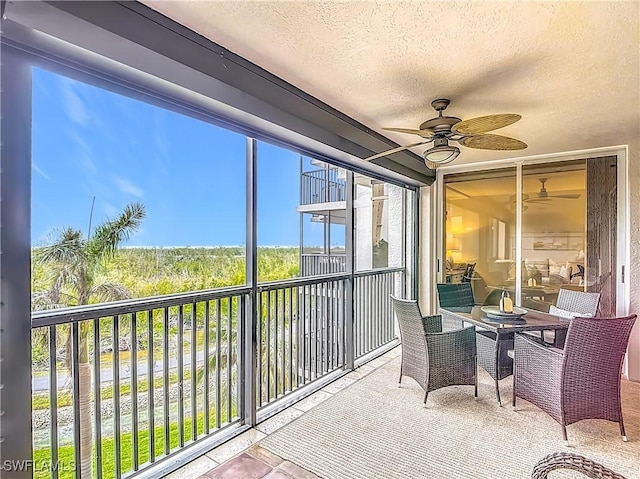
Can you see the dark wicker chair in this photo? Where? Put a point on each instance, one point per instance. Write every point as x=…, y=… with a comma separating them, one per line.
x=582, y=381
x=574, y=462
x=468, y=273
x=455, y=295
x=492, y=355
x=435, y=359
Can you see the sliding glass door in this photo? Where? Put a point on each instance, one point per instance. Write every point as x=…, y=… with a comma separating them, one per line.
x=479, y=227
x=553, y=231
x=567, y=236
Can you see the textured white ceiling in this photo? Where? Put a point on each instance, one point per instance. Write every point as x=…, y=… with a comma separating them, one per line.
x=571, y=69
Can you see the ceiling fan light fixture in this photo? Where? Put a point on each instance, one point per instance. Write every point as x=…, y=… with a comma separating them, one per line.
x=442, y=154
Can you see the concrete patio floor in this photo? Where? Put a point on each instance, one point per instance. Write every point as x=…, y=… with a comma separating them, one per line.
x=242, y=457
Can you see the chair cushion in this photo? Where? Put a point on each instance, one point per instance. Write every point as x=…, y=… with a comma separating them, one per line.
x=567, y=314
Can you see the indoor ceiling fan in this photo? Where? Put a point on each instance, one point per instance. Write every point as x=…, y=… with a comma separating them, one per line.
x=471, y=133
x=543, y=195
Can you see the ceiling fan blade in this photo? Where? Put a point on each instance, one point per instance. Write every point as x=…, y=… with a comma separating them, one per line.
x=422, y=133
x=492, y=142
x=573, y=196
x=393, y=150
x=483, y=124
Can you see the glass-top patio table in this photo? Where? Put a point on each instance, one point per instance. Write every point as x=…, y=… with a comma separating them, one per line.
x=495, y=336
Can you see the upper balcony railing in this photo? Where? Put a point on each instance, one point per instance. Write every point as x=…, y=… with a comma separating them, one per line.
x=314, y=264
x=119, y=388
x=322, y=186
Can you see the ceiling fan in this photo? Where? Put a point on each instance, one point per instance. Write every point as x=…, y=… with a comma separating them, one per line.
x=471, y=133
x=543, y=195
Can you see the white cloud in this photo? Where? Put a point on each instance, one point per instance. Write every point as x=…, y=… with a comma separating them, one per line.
x=37, y=169
x=84, y=154
x=73, y=104
x=127, y=187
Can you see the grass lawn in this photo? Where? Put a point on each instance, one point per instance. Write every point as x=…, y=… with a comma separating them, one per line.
x=66, y=458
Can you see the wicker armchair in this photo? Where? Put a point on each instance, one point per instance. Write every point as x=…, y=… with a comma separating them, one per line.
x=576, y=303
x=582, y=381
x=435, y=359
x=575, y=462
x=492, y=354
x=454, y=295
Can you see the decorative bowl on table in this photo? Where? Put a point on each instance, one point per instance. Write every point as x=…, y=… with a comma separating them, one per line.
x=493, y=312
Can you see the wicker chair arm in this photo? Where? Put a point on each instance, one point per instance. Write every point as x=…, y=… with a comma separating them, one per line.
x=455, y=333
x=450, y=322
x=458, y=342
x=575, y=462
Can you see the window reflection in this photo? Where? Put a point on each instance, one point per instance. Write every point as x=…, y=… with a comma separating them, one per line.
x=553, y=231
x=480, y=231
x=479, y=227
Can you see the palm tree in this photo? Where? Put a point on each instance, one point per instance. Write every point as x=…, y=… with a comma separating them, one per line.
x=75, y=263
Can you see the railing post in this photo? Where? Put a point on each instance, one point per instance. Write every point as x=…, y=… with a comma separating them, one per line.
x=248, y=338
x=350, y=282
x=325, y=180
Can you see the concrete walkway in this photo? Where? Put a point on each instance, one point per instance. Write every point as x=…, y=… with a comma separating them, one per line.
x=41, y=383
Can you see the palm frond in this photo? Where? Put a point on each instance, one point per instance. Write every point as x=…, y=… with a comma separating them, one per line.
x=110, y=234
x=68, y=249
x=44, y=300
x=109, y=292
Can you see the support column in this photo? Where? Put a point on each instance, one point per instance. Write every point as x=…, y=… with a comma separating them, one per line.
x=249, y=339
x=15, y=265
x=350, y=259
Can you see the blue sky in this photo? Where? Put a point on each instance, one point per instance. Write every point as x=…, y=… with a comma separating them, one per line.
x=190, y=175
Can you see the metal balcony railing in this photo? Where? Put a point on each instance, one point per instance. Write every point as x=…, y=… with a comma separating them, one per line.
x=322, y=186
x=314, y=264
x=134, y=381
x=124, y=386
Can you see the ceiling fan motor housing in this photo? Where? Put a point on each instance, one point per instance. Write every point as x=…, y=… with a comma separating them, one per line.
x=440, y=141
x=440, y=124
